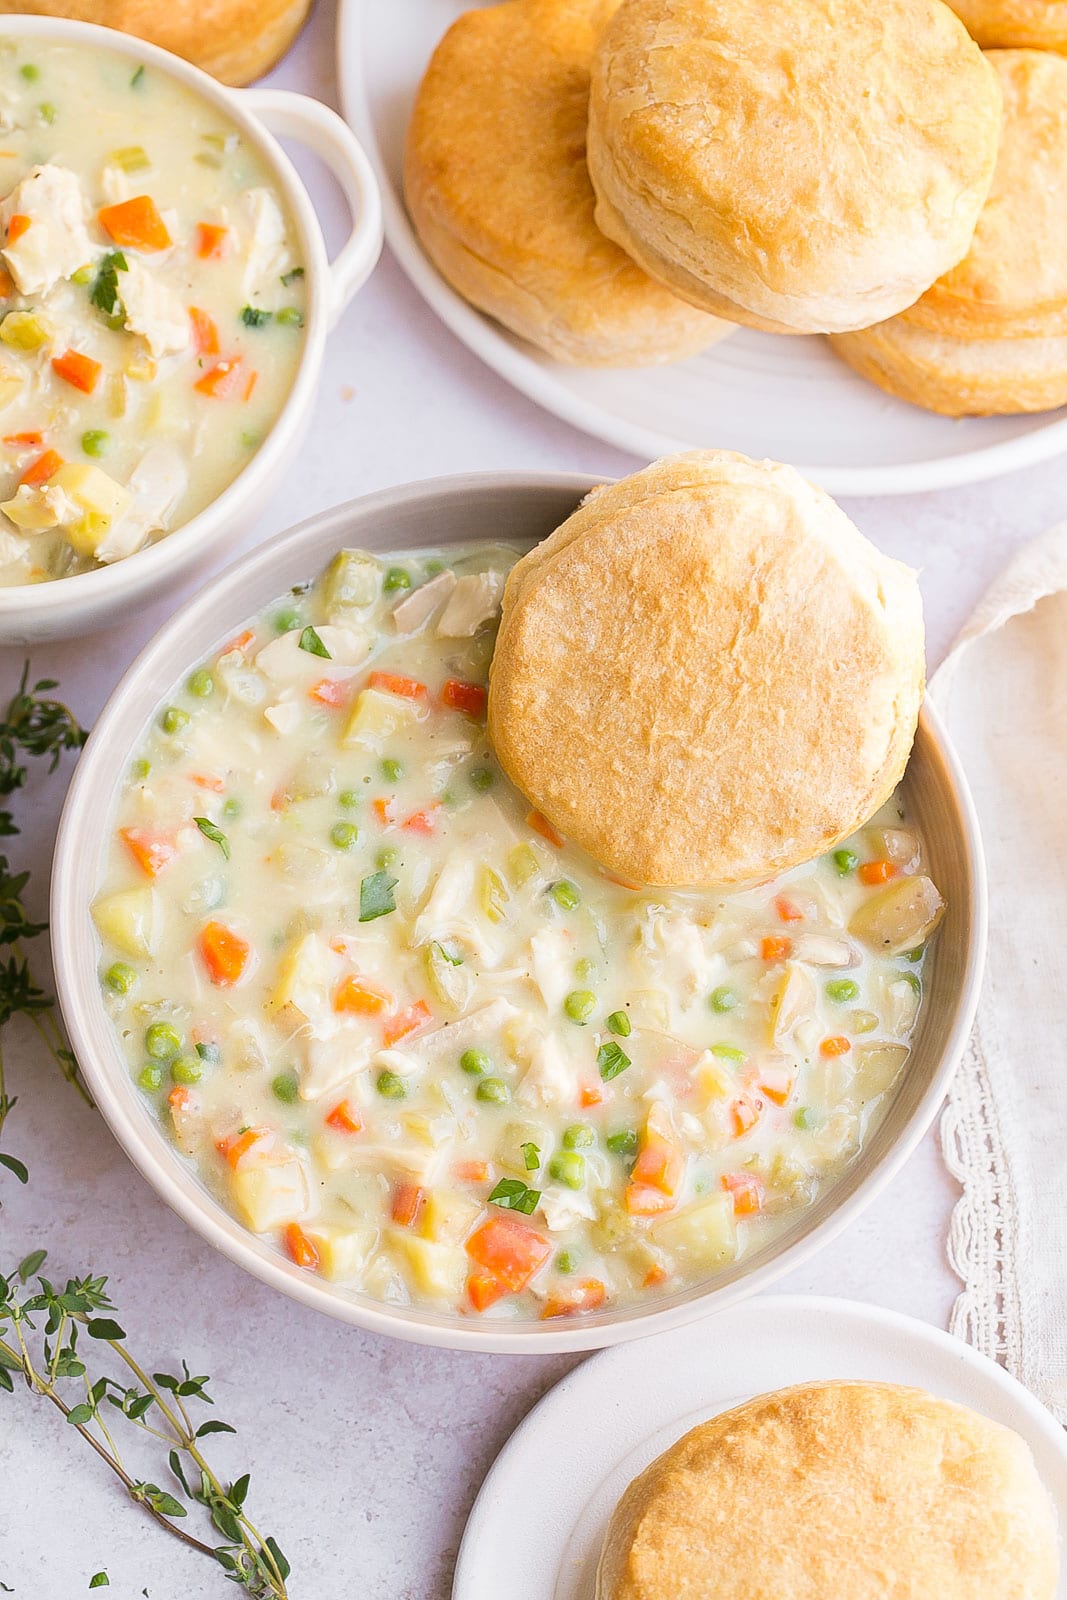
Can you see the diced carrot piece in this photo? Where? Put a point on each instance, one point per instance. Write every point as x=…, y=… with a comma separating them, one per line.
x=744, y=1114
x=383, y=810
x=484, y=1290
x=221, y=381
x=359, y=998
x=250, y=386
x=210, y=241
x=415, y=1017
x=135, y=223
x=151, y=849
x=39, y=471
x=80, y=371
x=587, y=1295
x=240, y=1149
x=17, y=226
x=408, y=1200
x=466, y=697
x=642, y=1200
x=510, y=1250
x=205, y=332
x=393, y=683
x=471, y=1171
x=7, y=284
x=300, y=1247
x=181, y=1099
x=207, y=780
x=541, y=825
x=424, y=821
x=654, y=1277
x=777, y=1083
x=872, y=872
x=788, y=910
x=838, y=1045
x=747, y=1192
x=224, y=953
x=345, y=1117
x=241, y=642
x=332, y=692
x=660, y=1161
x=590, y=1094
x=776, y=948
x=25, y=441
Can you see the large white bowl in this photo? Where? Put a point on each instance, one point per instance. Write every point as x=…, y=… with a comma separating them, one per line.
x=519, y=509
x=90, y=600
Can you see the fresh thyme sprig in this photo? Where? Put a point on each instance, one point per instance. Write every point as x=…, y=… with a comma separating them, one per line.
x=49, y=1358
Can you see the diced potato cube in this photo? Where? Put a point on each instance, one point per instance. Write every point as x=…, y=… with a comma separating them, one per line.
x=270, y=1196
x=877, y=1067
x=376, y=716
x=25, y=330
x=343, y=1252
x=899, y=917
x=353, y=582
x=306, y=973
x=129, y=919
x=30, y=509
x=704, y=1235
x=448, y=1216
x=434, y=1269
x=713, y=1079
x=10, y=386
x=101, y=500
x=794, y=1004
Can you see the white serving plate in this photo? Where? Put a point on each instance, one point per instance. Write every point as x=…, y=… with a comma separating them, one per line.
x=766, y=395
x=538, y=1524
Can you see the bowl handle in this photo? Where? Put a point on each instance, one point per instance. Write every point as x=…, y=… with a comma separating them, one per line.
x=295, y=116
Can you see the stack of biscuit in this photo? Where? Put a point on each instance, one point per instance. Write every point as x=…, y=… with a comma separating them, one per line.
x=620, y=182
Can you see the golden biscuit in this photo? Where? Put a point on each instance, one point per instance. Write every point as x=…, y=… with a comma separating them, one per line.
x=855, y=1491
x=803, y=168
x=497, y=187
x=1039, y=24
x=991, y=335
x=706, y=675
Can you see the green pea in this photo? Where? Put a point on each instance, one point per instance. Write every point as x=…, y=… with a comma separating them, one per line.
x=916, y=954
x=387, y=858
x=580, y=1005
x=566, y=1261
x=623, y=1143
x=30, y=72
x=174, y=719
x=95, y=442
x=434, y=567
x=807, y=1118
x=392, y=770
x=845, y=861
x=285, y=1087
x=840, y=990
x=476, y=1062
x=392, y=1086
x=494, y=1090
x=722, y=999
x=140, y=770
x=620, y=1023
x=231, y=808
x=290, y=317
x=286, y=621
x=120, y=977
x=201, y=683
x=47, y=112
x=162, y=1041
x=566, y=894
x=578, y=1137
x=568, y=1167
x=150, y=1077
x=343, y=835
x=727, y=1052
x=481, y=778
x=349, y=799
x=396, y=578
x=585, y=969
x=187, y=1069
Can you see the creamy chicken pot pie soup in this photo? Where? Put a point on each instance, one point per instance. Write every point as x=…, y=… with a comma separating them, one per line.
x=151, y=307
x=404, y=1031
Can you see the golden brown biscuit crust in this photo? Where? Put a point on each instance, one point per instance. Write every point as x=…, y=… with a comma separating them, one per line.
x=959, y=377
x=497, y=187
x=836, y=1491
x=803, y=167
x=1037, y=24
x=235, y=40
x=707, y=674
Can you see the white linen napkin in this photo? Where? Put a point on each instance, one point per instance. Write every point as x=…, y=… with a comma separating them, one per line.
x=1003, y=692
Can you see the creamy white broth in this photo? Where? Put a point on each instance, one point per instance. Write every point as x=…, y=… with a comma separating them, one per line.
x=145, y=249
x=429, y=1050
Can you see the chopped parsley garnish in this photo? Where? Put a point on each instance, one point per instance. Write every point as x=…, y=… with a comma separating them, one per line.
x=207, y=1051
x=513, y=1195
x=292, y=275
x=216, y=835
x=446, y=955
x=252, y=317
x=310, y=641
x=611, y=1059
x=104, y=293
x=137, y=79
x=531, y=1156
x=376, y=896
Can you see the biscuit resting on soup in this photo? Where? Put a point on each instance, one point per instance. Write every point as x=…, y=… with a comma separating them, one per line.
x=707, y=675
x=859, y=1491
x=497, y=187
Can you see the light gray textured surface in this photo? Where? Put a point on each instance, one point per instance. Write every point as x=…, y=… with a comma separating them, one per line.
x=366, y=1454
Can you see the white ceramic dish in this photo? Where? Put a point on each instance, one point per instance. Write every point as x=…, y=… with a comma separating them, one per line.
x=786, y=398
x=78, y=604
x=608, y=1419
x=519, y=509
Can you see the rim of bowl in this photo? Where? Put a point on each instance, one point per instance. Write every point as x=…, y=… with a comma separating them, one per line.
x=74, y=878
x=153, y=563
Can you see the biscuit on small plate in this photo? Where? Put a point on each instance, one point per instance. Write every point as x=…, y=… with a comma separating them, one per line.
x=497, y=188
x=1037, y=24
x=991, y=335
x=836, y=1491
x=802, y=168
x=707, y=675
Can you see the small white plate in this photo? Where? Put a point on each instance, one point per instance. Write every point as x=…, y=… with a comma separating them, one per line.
x=538, y=1524
x=787, y=398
